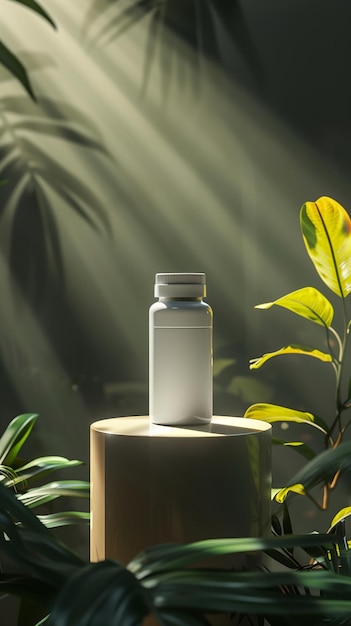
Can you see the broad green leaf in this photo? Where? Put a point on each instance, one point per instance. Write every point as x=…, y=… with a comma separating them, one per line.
x=26, y=587
x=34, y=6
x=282, y=493
x=300, y=447
x=307, y=302
x=257, y=593
x=321, y=469
x=115, y=596
x=30, y=544
x=292, y=349
x=326, y=230
x=275, y=413
x=14, y=437
x=339, y=517
x=9, y=503
x=161, y=558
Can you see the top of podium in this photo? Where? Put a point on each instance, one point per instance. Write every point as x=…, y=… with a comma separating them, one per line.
x=140, y=426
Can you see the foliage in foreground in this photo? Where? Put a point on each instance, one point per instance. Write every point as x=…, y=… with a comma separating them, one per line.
x=19, y=475
x=163, y=580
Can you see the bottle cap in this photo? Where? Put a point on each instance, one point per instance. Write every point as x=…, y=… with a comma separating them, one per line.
x=183, y=285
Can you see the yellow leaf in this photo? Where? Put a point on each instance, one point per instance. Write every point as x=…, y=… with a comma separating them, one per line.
x=326, y=230
x=272, y=413
x=292, y=349
x=307, y=302
x=341, y=515
x=283, y=493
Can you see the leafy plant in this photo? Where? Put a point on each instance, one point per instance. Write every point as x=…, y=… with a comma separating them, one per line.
x=326, y=231
x=19, y=475
x=165, y=582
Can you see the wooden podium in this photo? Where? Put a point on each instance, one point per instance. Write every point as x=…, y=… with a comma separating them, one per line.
x=155, y=484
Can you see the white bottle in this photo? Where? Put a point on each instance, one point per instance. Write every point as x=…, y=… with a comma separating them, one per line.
x=180, y=351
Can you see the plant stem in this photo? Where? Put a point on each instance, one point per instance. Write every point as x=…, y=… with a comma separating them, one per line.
x=339, y=375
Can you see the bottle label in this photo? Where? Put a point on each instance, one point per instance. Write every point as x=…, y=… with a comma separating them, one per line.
x=181, y=375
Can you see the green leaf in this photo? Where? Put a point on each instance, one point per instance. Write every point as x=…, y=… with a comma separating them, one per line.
x=37, y=8
x=282, y=558
x=300, y=447
x=181, y=618
x=275, y=413
x=114, y=595
x=276, y=526
x=161, y=558
x=292, y=349
x=51, y=491
x=326, y=230
x=321, y=469
x=30, y=544
x=339, y=517
x=16, y=68
x=64, y=518
x=40, y=467
x=287, y=526
x=10, y=504
x=14, y=437
x=255, y=593
x=25, y=586
x=7, y=474
x=307, y=302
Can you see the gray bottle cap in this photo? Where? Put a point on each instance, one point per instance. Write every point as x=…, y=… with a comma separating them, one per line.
x=182, y=285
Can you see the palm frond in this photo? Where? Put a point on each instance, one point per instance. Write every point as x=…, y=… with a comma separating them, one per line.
x=36, y=178
x=38, y=9
x=195, y=23
x=12, y=63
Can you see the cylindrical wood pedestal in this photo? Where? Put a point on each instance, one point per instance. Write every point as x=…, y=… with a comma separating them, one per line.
x=156, y=484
